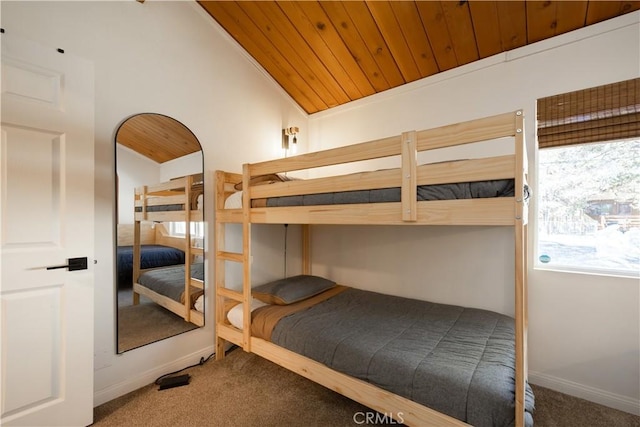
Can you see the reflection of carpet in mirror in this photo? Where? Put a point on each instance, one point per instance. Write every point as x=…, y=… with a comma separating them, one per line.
x=145, y=323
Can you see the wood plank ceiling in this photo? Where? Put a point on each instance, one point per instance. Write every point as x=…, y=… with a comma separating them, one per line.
x=157, y=137
x=327, y=53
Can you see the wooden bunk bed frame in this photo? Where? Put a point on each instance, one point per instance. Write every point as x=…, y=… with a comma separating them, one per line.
x=149, y=203
x=501, y=211
x=150, y=234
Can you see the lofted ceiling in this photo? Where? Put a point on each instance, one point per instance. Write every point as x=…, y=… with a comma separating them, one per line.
x=327, y=53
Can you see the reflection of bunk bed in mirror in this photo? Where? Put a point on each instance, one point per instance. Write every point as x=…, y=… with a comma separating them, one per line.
x=488, y=191
x=178, y=288
x=157, y=249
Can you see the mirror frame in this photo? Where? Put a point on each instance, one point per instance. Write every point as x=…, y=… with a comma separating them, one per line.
x=146, y=134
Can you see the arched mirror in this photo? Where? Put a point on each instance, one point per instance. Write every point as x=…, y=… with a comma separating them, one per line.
x=160, y=230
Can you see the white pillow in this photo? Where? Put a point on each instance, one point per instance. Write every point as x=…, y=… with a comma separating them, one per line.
x=234, y=201
x=199, y=305
x=235, y=314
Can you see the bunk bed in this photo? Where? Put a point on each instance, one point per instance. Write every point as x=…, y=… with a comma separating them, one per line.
x=178, y=288
x=240, y=315
x=158, y=249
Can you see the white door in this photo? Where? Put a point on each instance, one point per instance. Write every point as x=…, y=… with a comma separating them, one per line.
x=47, y=217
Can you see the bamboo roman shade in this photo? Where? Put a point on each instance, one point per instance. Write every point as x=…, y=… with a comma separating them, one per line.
x=602, y=113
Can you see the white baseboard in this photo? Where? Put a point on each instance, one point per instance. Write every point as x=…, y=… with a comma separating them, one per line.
x=147, y=377
x=612, y=400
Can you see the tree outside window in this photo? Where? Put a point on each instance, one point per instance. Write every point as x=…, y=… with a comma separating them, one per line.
x=589, y=179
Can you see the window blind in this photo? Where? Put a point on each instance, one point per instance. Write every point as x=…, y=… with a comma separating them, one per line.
x=597, y=114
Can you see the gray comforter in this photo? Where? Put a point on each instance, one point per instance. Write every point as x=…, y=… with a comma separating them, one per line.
x=465, y=190
x=458, y=361
x=169, y=281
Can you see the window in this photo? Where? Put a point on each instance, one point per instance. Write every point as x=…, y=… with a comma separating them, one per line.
x=178, y=228
x=589, y=179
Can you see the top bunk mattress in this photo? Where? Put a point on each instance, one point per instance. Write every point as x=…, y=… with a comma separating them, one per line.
x=465, y=190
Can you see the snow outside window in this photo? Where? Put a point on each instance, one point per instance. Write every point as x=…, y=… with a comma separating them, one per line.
x=589, y=207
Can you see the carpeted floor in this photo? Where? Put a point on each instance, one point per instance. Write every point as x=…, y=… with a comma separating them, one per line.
x=145, y=323
x=246, y=390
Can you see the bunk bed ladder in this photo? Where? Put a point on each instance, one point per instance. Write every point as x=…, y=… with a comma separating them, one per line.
x=223, y=294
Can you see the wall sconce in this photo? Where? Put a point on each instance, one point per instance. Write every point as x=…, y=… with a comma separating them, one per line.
x=286, y=133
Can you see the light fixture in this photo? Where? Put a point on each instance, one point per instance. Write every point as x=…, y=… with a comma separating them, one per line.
x=286, y=133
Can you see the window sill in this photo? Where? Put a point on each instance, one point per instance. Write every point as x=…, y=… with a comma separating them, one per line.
x=590, y=272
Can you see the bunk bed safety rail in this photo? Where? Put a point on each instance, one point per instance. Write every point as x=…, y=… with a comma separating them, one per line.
x=179, y=194
x=409, y=175
x=478, y=130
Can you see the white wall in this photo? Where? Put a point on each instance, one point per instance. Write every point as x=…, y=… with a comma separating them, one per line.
x=584, y=330
x=182, y=166
x=168, y=58
x=133, y=170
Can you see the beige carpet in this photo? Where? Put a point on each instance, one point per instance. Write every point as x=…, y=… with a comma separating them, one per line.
x=246, y=390
x=142, y=324
x=145, y=323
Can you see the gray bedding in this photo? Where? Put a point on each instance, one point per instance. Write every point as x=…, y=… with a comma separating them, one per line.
x=169, y=281
x=465, y=190
x=456, y=360
x=162, y=208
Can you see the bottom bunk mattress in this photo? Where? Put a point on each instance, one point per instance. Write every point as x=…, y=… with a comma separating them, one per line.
x=459, y=361
x=151, y=256
x=169, y=281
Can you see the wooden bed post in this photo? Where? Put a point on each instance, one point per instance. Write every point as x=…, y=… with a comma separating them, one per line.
x=219, y=268
x=187, y=249
x=136, y=238
x=246, y=258
x=306, y=249
x=136, y=259
x=520, y=271
x=409, y=188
